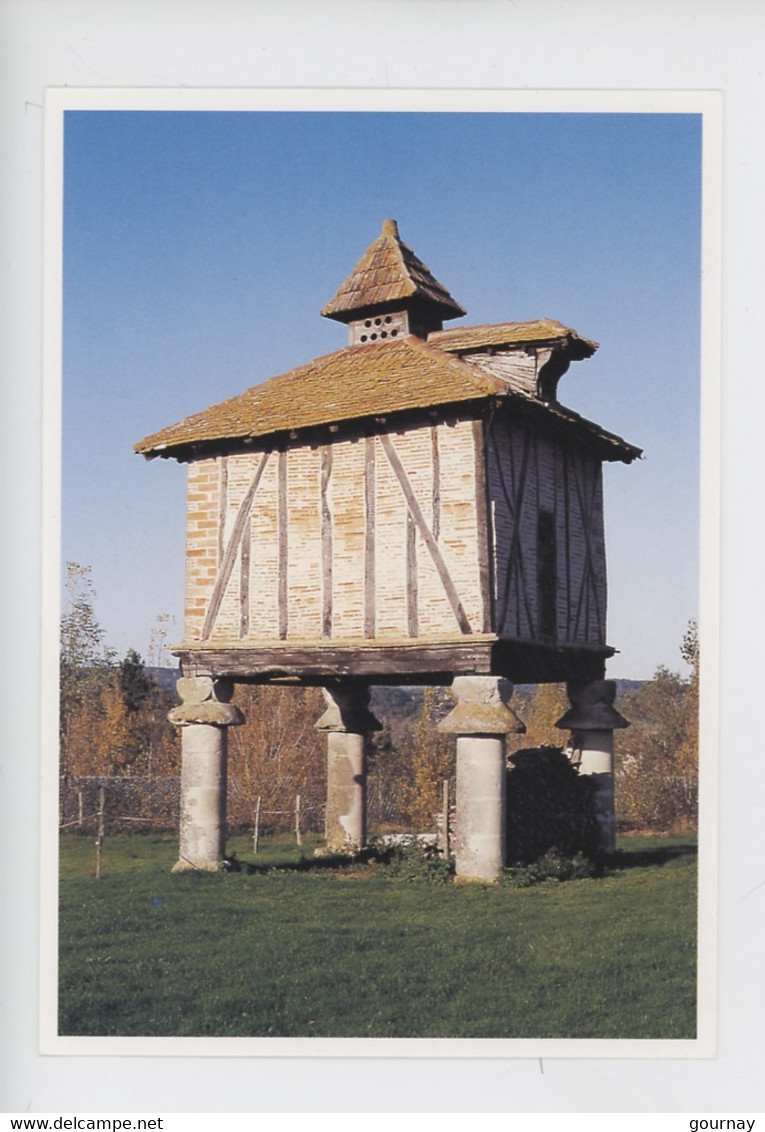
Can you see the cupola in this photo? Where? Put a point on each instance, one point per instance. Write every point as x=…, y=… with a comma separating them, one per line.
x=391, y=293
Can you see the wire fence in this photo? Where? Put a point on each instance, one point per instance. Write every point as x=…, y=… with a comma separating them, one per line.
x=144, y=802
x=128, y=801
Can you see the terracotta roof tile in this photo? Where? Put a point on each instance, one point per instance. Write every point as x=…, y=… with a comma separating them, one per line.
x=388, y=272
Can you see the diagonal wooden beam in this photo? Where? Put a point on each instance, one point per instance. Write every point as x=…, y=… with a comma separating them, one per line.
x=425, y=533
x=516, y=547
x=515, y=574
x=584, y=524
x=586, y=494
x=229, y=557
x=566, y=490
x=493, y=446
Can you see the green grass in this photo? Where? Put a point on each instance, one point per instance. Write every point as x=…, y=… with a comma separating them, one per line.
x=349, y=952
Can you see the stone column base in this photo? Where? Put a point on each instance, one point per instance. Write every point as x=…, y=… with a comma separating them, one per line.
x=347, y=720
x=592, y=720
x=204, y=717
x=481, y=719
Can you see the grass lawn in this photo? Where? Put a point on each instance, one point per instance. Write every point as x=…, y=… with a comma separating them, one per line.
x=295, y=951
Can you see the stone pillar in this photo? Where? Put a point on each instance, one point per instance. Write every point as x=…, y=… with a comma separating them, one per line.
x=203, y=717
x=592, y=720
x=347, y=721
x=481, y=720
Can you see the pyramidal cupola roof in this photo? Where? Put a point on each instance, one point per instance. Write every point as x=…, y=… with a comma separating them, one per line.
x=390, y=275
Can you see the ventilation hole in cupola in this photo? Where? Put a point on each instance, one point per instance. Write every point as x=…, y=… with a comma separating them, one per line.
x=373, y=336
x=393, y=333
x=387, y=319
x=383, y=333
x=378, y=322
x=363, y=337
x=368, y=322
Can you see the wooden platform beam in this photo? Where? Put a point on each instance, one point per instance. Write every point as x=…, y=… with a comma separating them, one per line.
x=413, y=662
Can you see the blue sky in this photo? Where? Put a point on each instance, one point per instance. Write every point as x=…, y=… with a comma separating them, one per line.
x=199, y=248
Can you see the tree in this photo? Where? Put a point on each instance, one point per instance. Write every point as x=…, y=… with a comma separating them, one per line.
x=82, y=638
x=85, y=664
x=432, y=759
x=159, y=654
x=162, y=745
x=113, y=716
x=688, y=752
x=389, y=770
x=117, y=744
x=547, y=704
x=657, y=757
x=276, y=754
x=134, y=718
x=133, y=681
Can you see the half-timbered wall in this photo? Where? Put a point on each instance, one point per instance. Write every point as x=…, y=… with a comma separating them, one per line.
x=370, y=538
x=549, y=553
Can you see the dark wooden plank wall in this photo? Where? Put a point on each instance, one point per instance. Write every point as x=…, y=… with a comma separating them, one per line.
x=530, y=473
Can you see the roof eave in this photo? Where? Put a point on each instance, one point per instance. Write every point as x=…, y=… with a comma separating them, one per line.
x=185, y=450
x=348, y=313
x=610, y=447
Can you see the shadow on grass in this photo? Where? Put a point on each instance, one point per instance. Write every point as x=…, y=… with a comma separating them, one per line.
x=647, y=857
x=304, y=864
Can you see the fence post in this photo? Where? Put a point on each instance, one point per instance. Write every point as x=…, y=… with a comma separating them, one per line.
x=256, y=829
x=100, y=834
x=79, y=808
x=298, y=837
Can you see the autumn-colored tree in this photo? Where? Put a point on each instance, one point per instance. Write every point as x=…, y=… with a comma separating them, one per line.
x=80, y=750
x=688, y=753
x=162, y=741
x=135, y=736
x=276, y=754
x=431, y=760
x=113, y=716
x=546, y=705
x=85, y=667
x=389, y=775
x=657, y=757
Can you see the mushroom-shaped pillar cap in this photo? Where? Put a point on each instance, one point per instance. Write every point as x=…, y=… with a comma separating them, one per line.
x=347, y=709
x=592, y=707
x=482, y=707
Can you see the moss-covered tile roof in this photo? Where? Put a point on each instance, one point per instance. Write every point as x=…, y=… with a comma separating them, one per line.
x=465, y=339
x=355, y=382
x=362, y=383
x=389, y=272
